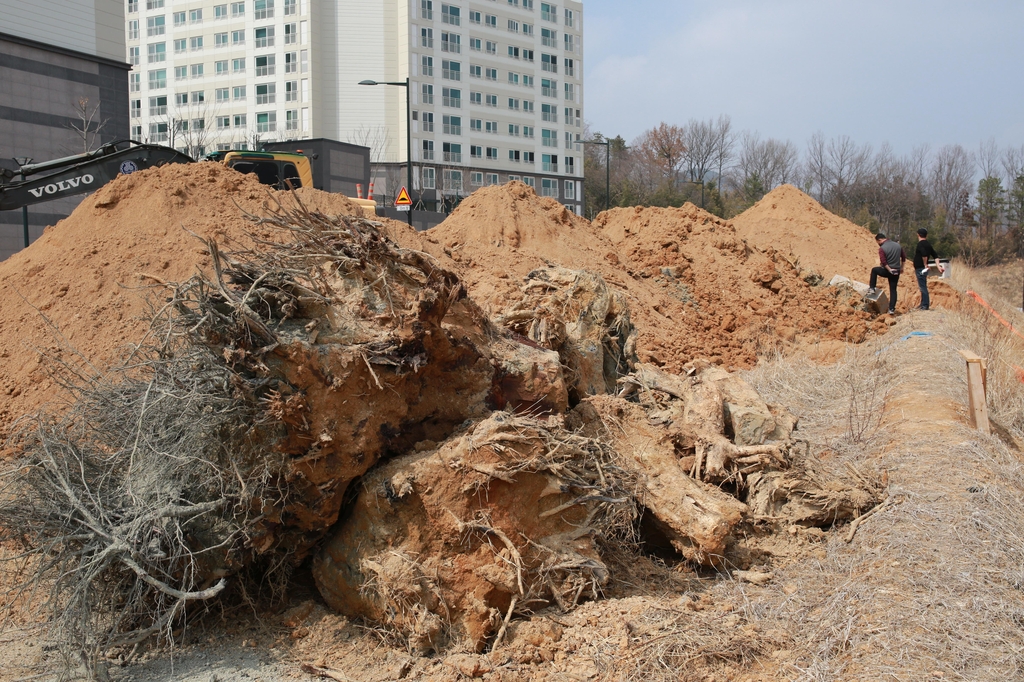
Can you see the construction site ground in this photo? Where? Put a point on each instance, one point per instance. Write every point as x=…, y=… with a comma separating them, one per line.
x=929, y=587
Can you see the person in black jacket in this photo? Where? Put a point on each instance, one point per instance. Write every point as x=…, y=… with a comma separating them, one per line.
x=891, y=256
x=921, y=255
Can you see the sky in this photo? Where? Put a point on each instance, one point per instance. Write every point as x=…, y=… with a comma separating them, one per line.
x=905, y=72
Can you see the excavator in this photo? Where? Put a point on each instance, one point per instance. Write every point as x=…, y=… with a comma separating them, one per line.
x=88, y=172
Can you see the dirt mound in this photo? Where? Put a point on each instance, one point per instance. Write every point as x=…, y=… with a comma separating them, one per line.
x=794, y=224
x=88, y=274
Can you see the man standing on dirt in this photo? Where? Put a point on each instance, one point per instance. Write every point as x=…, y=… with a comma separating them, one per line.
x=921, y=255
x=892, y=258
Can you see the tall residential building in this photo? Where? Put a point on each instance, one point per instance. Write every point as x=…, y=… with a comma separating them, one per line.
x=496, y=86
x=62, y=92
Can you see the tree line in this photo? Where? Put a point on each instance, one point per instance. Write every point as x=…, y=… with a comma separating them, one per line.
x=971, y=201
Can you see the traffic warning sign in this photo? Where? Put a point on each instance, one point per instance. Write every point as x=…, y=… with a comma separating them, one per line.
x=403, y=201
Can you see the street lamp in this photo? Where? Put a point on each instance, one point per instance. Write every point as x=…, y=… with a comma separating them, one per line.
x=23, y=161
x=607, y=169
x=408, y=127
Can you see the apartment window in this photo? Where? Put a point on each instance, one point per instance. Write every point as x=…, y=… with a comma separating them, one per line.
x=514, y=3
x=197, y=71
x=429, y=179
x=451, y=70
x=195, y=16
x=570, y=42
x=570, y=68
x=157, y=52
x=570, y=92
x=475, y=44
x=158, y=79
x=513, y=103
x=220, y=39
x=568, y=140
x=548, y=37
x=569, y=161
x=492, y=153
x=238, y=37
x=158, y=132
x=155, y=26
x=224, y=122
x=452, y=125
x=476, y=151
x=222, y=94
x=492, y=178
x=134, y=82
x=238, y=92
x=133, y=6
x=265, y=37
x=527, y=55
x=492, y=100
x=158, y=106
x=426, y=37
x=291, y=91
x=220, y=12
x=513, y=129
x=568, y=116
x=180, y=73
x=474, y=17
x=137, y=133
x=291, y=62
x=549, y=163
x=289, y=10
x=492, y=21
x=263, y=9
x=451, y=15
x=304, y=61
x=238, y=65
x=266, y=93
x=198, y=96
x=238, y=120
x=452, y=152
x=492, y=48
x=133, y=55
x=180, y=45
x=198, y=124
x=549, y=138
x=426, y=9
x=549, y=112
x=291, y=117
x=428, y=122
x=548, y=12
x=528, y=105
x=291, y=34
x=238, y=9
x=475, y=71
x=179, y=18
x=265, y=65
x=513, y=78
x=548, y=187
x=491, y=127
x=513, y=26
x=428, y=93
x=527, y=81
x=513, y=155
x=512, y=177
x=475, y=98
x=492, y=74
x=528, y=157
x=428, y=150
x=451, y=97
x=266, y=122
x=549, y=62
x=527, y=180
x=133, y=29
x=513, y=52
x=548, y=88
x=453, y=180
x=136, y=108
x=154, y=4
x=476, y=125
x=195, y=43
x=451, y=42
x=181, y=98
x=476, y=178
x=527, y=29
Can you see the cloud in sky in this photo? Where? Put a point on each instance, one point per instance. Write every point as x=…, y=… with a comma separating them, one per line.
x=907, y=72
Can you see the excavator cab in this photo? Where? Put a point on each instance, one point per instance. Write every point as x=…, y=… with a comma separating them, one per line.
x=281, y=170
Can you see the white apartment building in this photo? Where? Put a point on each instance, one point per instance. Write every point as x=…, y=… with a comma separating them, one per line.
x=496, y=86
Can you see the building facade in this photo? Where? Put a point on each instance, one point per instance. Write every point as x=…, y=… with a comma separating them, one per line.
x=495, y=86
x=62, y=92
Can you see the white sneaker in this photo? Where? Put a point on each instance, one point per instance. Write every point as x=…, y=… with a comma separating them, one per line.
x=872, y=291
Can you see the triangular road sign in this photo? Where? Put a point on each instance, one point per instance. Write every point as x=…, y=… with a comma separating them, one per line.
x=403, y=198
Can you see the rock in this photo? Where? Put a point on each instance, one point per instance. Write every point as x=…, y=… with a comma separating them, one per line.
x=753, y=577
x=747, y=417
x=839, y=281
x=469, y=665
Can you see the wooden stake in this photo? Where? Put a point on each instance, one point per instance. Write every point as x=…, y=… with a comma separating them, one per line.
x=976, y=390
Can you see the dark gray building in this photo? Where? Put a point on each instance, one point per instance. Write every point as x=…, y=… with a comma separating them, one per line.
x=63, y=90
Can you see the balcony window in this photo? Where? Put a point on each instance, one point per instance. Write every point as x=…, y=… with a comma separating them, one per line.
x=548, y=187
x=453, y=179
x=570, y=42
x=451, y=70
x=238, y=65
x=155, y=26
x=291, y=34
x=476, y=125
x=133, y=6
x=238, y=92
x=239, y=120
x=548, y=88
x=222, y=94
x=451, y=15
x=263, y=9
x=266, y=93
x=180, y=45
x=291, y=117
x=195, y=16
x=134, y=82
x=452, y=125
x=492, y=74
x=158, y=79
x=492, y=100
x=291, y=62
x=570, y=92
x=549, y=62
x=237, y=9
x=265, y=65
x=136, y=108
x=451, y=97
x=426, y=66
x=428, y=93
x=266, y=122
x=133, y=29
x=548, y=37
x=570, y=68
x=195, y=43
x=158, y=132
x=224, y=122
x=569, y=17
x=291, y=91
x=179, y=18
x=196, y=70
x=289, y=10
x=426, y=9
x=451, y=42
x=428, y=150
x=428, y=122
x=180, y=73
x=133, y=55
x=220, y=39
x=492, y=153
x=157, y=52
x=492, y=48
x=265, y=37
x=548, y=12
x=220, y=12
x=426, y=37
x=429, y=179
x=154, y=4
x=549, y=112
x=238, y=37
x=491, y=127
x=158, y=106
x=452, y=152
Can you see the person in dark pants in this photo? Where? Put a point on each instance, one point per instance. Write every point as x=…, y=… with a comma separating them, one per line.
x=892, y=258
x=921, y=255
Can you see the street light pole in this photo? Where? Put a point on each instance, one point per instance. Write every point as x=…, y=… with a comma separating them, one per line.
x=607, y=169
x=408, y=128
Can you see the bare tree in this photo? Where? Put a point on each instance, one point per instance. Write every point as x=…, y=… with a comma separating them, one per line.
x=378, y=139
x=726, y=142
x=988, y=158
x=817, y=165
x=1013, y=164
x=194, y=127
x=701, y=140
x=662, y=151
x=87, y=125
x=847, y=165
x=951, y=179
x=770, y=163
